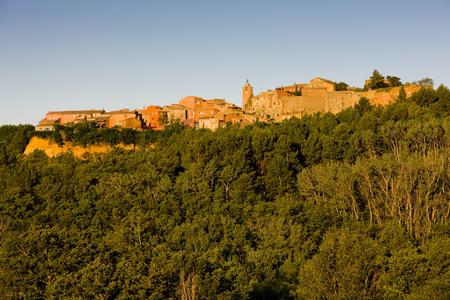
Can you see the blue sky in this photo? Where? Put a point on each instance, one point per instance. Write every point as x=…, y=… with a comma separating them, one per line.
x=108, y=54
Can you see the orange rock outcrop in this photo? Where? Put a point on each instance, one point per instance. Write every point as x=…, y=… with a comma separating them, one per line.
x=52, y=149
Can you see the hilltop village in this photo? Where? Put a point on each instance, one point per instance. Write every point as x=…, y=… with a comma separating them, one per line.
x=320, y=95
x=191, y=111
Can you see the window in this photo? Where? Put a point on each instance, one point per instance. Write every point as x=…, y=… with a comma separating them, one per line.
x=197, y=102
x=203, y=112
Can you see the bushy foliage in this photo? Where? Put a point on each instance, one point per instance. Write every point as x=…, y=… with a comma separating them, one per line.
x=84, y=134
x=352, y=205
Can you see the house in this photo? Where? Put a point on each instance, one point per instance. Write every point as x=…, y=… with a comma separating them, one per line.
x=124, y=118
x=190, y=110
x=155, y=117
x=210, y=122
x=45, y=125
x=176, y=111
x=205, y=112
x=71, y=116
x=192, y=102
x=74, y=116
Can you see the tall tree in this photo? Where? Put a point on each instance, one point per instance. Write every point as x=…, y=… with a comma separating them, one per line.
x=377, y=81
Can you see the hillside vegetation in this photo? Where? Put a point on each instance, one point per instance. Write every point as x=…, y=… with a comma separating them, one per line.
x=348, y=206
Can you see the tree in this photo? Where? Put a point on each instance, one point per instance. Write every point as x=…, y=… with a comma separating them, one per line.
x=401, y=94
x=3, y=154
x=424, y=81
x=377, y=81
x=20, y=139
x=297, y=92
x=344, y=268
x=425, y=97
x=56, y=136
x=393, y=81
x=187, y=288
x=164, y=119
x=341, y=86
x=442, y=106
x=363, y=106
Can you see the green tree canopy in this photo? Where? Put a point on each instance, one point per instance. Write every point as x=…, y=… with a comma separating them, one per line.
x=341, y=86
x=393, y=81
x=377, y=81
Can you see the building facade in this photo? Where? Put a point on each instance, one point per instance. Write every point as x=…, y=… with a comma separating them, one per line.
x=154, y=117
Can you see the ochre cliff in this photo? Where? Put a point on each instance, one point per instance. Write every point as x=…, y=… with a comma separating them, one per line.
x=52, y=149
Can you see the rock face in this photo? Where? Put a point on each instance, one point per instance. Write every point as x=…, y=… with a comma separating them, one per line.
x=52, y=149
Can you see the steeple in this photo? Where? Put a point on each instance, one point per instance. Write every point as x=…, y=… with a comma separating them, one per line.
x=247, y=93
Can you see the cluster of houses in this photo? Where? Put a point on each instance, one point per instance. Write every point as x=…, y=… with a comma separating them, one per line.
x=320, y=95
x=191, y=111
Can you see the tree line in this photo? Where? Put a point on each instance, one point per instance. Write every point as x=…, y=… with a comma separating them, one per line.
x=378, y=81
x=351, y=205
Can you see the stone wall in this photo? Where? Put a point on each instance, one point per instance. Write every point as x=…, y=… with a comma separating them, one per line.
x=383, y=98
x=292, y=105
x=337, y=101
x=313, y=100
x=264, y=103
x=318, y=100
x=318, y=96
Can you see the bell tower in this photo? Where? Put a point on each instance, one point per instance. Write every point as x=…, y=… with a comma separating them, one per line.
x=247, y=93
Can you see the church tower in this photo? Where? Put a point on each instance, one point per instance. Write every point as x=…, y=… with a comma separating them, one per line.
x=247, y=93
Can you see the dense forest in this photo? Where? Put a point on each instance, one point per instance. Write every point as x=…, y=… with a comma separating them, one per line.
x=348, y=206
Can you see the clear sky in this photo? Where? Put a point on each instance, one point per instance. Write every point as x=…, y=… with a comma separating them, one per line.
x=112, y=54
